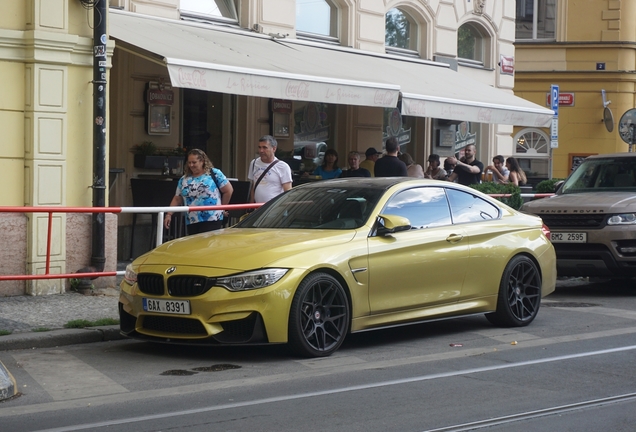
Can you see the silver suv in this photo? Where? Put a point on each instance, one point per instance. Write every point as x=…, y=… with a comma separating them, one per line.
x=592, y=218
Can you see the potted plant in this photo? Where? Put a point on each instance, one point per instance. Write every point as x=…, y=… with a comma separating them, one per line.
x=146, y=156
x=149, y=156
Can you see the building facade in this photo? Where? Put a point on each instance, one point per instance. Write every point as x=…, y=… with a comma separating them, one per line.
x=587, y=49
x=217, y=75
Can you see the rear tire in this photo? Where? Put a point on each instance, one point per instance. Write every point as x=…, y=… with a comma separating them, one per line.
x=319, y=316
x=519, y=295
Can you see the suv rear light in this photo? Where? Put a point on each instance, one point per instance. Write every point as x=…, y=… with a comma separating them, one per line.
x=546, y=231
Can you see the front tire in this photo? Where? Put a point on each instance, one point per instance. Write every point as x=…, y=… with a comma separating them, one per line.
x=319, y=316
x=519, y=294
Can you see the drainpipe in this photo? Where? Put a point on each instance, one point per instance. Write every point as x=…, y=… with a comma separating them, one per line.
x=98, y=258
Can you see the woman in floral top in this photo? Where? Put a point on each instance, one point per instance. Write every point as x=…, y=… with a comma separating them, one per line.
x=201, y=185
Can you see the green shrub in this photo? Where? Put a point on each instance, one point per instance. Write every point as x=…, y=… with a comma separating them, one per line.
x=515, y=201
x=5, y=332
x=547, y=186
x=80, y=323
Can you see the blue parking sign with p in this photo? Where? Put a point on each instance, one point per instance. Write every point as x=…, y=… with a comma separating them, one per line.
x=554, y=98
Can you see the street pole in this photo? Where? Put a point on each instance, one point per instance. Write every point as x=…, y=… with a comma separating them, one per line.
x=98, y=258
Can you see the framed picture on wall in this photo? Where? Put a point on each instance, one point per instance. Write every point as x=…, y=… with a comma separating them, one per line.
x=281, y=117
x=281, y=125
x=575, y=159
x=158, y=119
x=446, y=138
x=159, y=99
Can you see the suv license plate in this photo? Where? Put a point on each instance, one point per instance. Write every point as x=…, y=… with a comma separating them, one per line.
x=173, y=307
x=568, y=237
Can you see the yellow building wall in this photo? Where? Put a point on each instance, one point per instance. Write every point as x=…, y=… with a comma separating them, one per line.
x=594, y=32
x=12, y=127
x=13, y=14
x=46, y=155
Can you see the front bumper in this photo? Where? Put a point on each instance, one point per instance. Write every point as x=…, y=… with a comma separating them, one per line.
x=603, y=254
x=217, y=316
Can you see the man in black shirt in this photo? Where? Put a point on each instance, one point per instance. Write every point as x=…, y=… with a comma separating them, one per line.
x=467, y=169
x=354, y=167
x=389, y=165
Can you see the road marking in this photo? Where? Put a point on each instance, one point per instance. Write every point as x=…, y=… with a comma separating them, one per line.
x=379, y=384
x=64, y=376
x=305, y=374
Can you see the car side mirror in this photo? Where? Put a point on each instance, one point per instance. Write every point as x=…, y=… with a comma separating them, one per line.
x=558, y=185
x=389, y=224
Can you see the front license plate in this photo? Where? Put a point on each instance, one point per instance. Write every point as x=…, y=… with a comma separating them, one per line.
x=568, y=237
x=173, y=307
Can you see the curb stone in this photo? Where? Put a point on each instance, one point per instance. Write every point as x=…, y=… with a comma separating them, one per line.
x=56, y=338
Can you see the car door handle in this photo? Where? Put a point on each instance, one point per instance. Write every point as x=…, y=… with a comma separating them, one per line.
x=454, y=238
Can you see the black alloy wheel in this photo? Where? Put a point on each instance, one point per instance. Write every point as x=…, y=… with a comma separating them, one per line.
x=519, y=294
x=319, y=316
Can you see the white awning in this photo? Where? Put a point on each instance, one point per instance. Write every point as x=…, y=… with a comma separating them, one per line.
x=206, y=57
x=434, y=90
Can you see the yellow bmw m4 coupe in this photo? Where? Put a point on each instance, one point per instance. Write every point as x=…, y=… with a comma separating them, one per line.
x=334, y=257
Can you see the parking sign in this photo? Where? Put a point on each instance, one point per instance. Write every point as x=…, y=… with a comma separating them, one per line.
x=554, y=130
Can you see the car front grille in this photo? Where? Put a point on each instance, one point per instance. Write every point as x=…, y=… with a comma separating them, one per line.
x=188, y=286
x=150, y=283
x=173, y=325
x=590, y=221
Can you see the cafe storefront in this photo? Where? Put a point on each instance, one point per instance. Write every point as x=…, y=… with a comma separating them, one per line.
x=231, y=87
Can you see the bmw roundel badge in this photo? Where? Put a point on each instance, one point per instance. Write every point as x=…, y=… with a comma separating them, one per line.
x=171, y=270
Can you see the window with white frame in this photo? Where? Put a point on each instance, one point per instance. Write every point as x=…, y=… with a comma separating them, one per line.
x=401, y=32
x=223, y=11
x=532, y=150
x=317, y=20
x=472, y=45
x=536, y=20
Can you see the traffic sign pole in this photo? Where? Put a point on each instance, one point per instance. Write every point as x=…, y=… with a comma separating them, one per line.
x=554, y=130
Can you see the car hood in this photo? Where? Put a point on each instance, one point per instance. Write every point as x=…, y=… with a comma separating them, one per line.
x=243, y=248
x=599, y=202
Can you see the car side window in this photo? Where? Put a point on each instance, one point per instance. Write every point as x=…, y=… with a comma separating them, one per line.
x=467, y=207
x=424, y=207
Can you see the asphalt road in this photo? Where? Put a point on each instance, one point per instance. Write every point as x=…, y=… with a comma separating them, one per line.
x=572, y=369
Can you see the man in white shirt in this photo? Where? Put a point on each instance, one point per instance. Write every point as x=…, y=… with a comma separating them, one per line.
x=269, y=176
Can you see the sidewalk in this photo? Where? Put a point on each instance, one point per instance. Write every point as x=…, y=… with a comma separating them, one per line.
x=38, y=322
x=40, y=319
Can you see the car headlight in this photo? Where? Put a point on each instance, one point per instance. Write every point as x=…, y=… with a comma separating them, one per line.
x=622, y=219
x=251, y=280
x=131, y=276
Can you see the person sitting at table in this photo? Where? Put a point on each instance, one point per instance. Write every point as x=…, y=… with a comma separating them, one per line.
x=499, y=171
x=434, y=171
x=412, y=169
x=449, y=166
x=517, y=177
x=354, y=167
x=329, y=168
x=201, y=185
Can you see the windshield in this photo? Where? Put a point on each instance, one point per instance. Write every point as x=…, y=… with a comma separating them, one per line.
x=335, y=207
x=615, y=174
